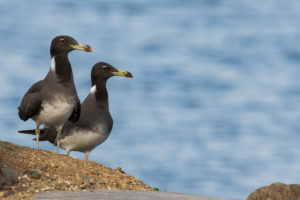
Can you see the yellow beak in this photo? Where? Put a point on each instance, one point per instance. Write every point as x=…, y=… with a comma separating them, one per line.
x=123, y=73
x=82, y=47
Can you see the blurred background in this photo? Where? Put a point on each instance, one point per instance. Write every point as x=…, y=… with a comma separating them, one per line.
x=213, y=108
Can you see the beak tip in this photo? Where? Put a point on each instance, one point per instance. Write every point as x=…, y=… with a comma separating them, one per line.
x=129, y=75
x=88, y=49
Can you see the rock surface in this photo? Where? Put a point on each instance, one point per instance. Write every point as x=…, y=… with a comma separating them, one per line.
x=276, y=191
x=118, y=195
x=25, y=171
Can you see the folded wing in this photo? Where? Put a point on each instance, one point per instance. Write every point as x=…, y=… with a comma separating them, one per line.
x=31, y=102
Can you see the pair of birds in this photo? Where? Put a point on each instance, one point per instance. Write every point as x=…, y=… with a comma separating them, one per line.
x=53, y=102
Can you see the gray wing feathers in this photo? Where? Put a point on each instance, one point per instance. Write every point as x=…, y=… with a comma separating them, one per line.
x=31, y=102
x=76, y=112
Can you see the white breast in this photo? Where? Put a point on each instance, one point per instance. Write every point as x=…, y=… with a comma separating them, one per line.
x=83, y=140
x=55, y=112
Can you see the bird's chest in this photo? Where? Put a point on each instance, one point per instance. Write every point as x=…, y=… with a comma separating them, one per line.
x=85, y=139
x=56, y=110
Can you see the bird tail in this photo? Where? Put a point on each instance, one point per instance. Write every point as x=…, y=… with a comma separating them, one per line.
x=46, y=133
x=30, y=131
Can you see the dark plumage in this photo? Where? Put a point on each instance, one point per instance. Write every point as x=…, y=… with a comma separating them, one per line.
x=53, y=100
x=95, y=122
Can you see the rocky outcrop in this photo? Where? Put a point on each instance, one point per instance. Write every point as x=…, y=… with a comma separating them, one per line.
x=276, y=191
x=25, y=171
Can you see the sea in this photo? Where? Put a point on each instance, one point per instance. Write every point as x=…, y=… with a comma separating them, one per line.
x=214, y=105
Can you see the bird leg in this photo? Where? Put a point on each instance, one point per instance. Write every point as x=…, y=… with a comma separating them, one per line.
x=37, y=134
x=67, y=153
x=86, y=155
x=58, y=138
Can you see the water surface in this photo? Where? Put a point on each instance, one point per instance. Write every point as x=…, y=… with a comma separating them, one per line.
x=213, y=108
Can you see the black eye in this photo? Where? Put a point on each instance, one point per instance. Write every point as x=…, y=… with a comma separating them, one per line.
x=62, y=40
x=104, y=67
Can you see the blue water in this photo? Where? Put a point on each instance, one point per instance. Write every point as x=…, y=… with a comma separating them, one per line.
x=213, y=108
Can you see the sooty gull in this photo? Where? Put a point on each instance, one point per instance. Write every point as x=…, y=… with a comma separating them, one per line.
x=53, y=100
x=95, y=122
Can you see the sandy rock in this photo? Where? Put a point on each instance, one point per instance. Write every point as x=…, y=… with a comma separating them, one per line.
x=276, y=191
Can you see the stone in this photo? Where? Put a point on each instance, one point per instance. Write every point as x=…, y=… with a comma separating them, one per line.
x=11, y=148
x=36, y=173
x=119, y=169
x=9, y=173
x=2, y=181
x=45, y=167
x=8, y=193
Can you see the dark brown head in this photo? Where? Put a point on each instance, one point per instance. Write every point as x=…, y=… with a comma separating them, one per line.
x=64, y=44
x=103, y=71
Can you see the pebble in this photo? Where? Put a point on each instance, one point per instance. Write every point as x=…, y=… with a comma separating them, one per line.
x=11, y=148
x=36, y=173
x=45, y=167
x=7, y=193
x=10, y=173
x=3, y=182
x=119, y=169
x=67, y=182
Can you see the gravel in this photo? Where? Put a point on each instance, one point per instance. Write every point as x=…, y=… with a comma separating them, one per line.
x=25, y=172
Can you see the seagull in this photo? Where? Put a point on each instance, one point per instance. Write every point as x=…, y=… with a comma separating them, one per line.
x=53, y=100
x=95, y=122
